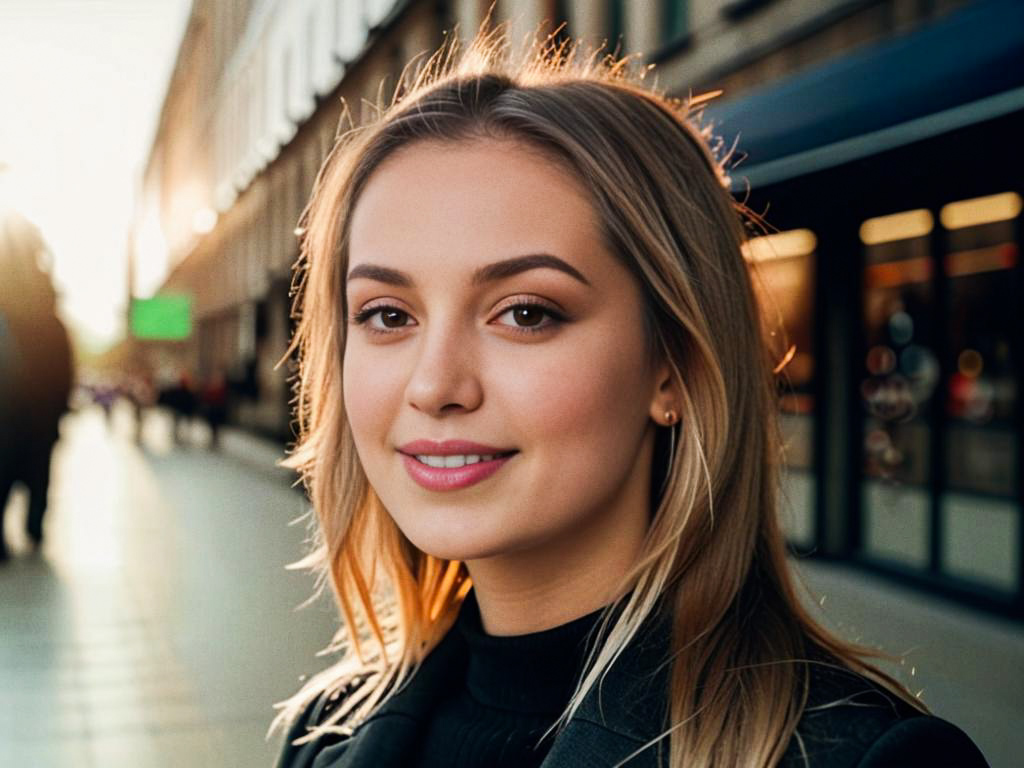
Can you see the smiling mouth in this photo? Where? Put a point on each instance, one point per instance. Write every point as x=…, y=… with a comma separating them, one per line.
x=459, y=460
x=453, y=472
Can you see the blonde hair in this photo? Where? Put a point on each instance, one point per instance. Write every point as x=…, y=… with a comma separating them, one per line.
x=714, y=556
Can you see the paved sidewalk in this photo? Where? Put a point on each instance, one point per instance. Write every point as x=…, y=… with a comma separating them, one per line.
x=158, y=625
x=243, y=446
x=968, y=666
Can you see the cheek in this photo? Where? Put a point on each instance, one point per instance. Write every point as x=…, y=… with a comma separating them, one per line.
x=583, y=402
x=371, y=392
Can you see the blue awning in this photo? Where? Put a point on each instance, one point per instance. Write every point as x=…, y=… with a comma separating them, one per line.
x=959, y=70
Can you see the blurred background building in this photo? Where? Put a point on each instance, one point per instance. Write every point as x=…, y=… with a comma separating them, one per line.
x=881, y=138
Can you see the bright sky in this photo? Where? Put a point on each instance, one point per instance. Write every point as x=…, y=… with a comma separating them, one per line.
x=81, y=85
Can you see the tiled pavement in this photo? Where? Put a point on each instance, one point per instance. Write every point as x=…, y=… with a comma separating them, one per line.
x=157, y=625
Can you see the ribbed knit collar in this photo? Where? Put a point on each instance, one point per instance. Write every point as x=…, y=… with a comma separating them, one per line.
x=532, y=673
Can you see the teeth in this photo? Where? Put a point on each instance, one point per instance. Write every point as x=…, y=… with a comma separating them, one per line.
x=452, y=462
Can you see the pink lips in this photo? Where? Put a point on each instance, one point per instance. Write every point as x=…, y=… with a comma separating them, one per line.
x=451, y=478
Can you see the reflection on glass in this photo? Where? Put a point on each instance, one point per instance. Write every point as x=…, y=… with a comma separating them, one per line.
x=905, y=331
x=899, y=377
x=980, y=518
x=783, y=272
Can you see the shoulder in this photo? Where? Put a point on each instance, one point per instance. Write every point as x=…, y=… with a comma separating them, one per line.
x=924, y=741
x=315, y=712
x=851, y=722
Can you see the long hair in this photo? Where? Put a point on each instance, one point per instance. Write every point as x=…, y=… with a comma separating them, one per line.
x=714, y=555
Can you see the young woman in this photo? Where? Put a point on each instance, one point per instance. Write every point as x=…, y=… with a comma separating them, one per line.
x=538, y=426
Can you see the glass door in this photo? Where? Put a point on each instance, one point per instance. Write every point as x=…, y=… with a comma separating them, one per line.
x=980, y=516
x=899, y=376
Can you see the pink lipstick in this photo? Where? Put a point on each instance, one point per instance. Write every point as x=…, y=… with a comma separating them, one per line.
x=452, y=464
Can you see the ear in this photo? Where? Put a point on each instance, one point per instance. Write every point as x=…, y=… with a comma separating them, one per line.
x=666, y=397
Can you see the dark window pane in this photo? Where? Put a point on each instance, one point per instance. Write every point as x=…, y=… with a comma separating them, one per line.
x=674, y=20
x=616, y=24
x=898, y=380
x=783, y=276
x=979, y=510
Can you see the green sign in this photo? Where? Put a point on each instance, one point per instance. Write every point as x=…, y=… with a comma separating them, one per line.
x=162, y=318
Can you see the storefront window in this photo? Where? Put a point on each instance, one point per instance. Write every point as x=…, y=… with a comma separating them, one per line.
x=674, y=20
x=980, y=516
x=616, y=22
x=899, y=375
x=782, y=269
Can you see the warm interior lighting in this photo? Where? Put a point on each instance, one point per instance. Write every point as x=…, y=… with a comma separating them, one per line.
x=894, y=273
x=970, y=363
x=896, y=226
x=784, y=245
x=980, y=260
x=980, y=210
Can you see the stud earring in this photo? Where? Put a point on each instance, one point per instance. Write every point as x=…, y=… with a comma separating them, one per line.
x=670, y=417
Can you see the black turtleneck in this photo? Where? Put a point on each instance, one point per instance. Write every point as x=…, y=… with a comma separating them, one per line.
x=510, y=692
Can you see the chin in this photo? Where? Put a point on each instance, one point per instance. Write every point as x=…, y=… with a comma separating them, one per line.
x=456, y=539
x=443, y=545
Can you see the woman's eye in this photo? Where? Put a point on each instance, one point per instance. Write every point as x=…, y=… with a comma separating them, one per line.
x=393, y=318
x=382, y=319
x=530, y=317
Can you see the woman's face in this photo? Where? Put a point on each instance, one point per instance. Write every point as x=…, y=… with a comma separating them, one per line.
x=484, y=308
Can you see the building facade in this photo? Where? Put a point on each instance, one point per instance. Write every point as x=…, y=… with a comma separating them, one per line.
x=885, y=163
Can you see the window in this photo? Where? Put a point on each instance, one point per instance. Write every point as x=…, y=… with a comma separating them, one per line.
x=938, y=390
x=782, y=271
x=559, y=15
x=674, y=21
x=898, y=380
x=979, y=517
x=616, y=12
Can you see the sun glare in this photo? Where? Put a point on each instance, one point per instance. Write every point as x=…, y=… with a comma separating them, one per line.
x=83, y=90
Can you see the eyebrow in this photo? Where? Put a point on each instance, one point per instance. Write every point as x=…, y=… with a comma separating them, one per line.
x=499, y=270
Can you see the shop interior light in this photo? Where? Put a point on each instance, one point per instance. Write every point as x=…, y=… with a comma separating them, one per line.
x=980, y=210
x=782, y=245
x=896, y=226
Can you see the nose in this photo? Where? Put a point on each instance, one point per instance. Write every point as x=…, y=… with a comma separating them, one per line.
x=445, y=379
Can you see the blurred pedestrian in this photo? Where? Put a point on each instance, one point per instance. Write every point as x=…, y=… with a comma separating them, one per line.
x=214, y=399
x=8, y=361
x=35, y=356
x=181, y=398
x=138, y=387
x=105, y=394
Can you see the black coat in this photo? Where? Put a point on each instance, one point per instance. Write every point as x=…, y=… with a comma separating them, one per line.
x=869, y=728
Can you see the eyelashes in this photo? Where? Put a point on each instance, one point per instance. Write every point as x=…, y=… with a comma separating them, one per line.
x=554, y=318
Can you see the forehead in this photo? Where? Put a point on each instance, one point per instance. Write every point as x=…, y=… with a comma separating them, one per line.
x=448, y=205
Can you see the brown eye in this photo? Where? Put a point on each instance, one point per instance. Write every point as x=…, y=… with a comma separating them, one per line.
x=393, y=318
x=531, y=317
x=385, y=319
x=527, y=316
